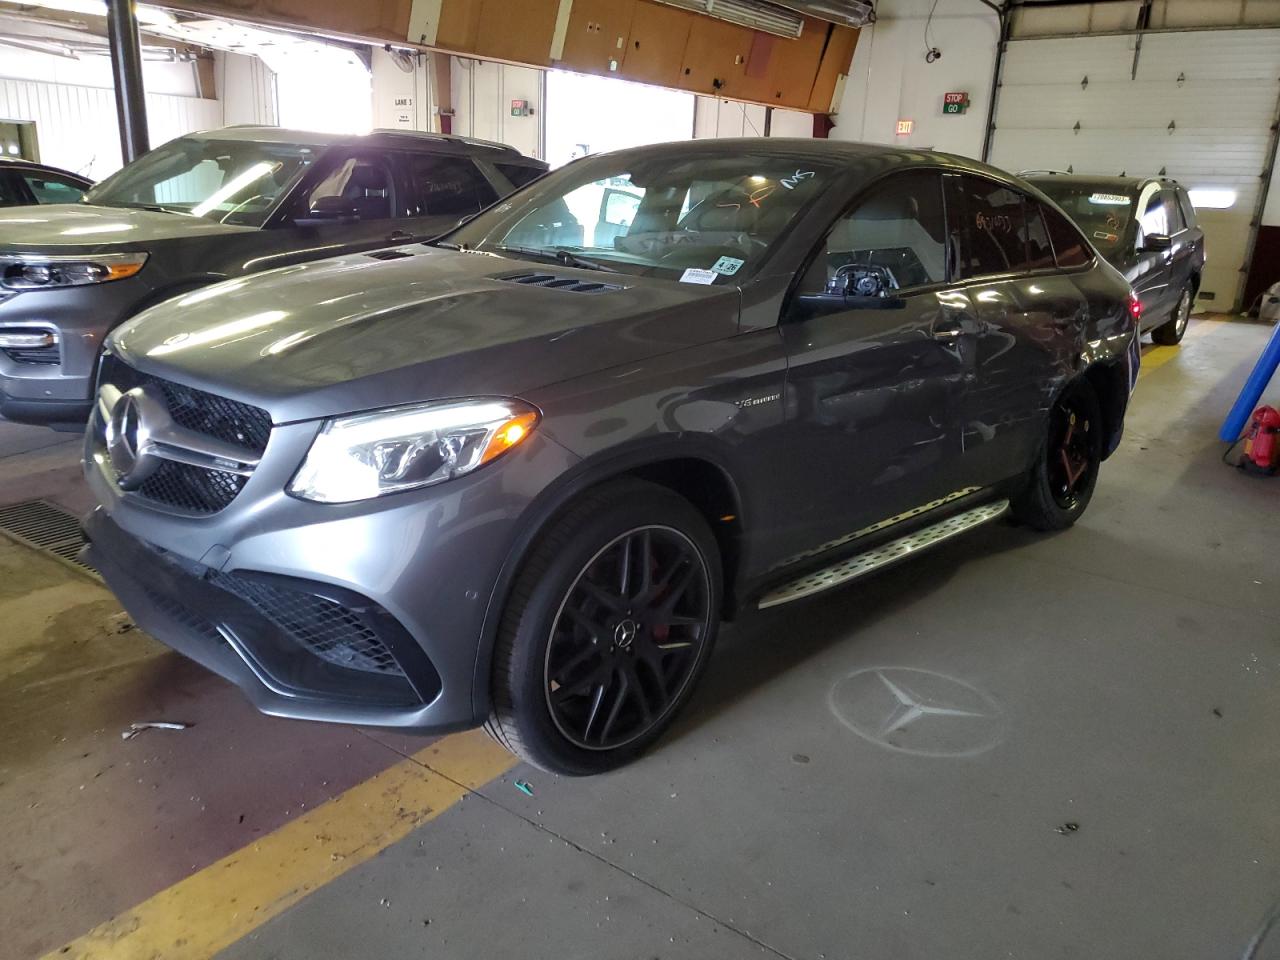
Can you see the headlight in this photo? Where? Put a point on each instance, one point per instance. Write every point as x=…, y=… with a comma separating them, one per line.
x=37, y=272
x=372, y=454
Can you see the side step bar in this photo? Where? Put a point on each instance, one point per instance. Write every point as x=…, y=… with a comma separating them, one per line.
x=862, y=564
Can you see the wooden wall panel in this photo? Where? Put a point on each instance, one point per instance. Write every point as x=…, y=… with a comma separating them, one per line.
x=834, y=63
x=656, y=44
x=520, y=32
x=787, y=77
x=599, y=31
x=459, y=25
x=715, y=58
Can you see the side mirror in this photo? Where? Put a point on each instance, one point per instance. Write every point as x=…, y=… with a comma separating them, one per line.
x=332, y=208
x=1156, y=243
x=863, y=285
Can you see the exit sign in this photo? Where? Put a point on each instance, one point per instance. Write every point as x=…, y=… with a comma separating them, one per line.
x=905, y=127
x=955, y=102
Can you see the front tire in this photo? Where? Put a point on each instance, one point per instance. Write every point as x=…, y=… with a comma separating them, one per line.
x=1061, y=482
x=607, y=629
x=1170, y=333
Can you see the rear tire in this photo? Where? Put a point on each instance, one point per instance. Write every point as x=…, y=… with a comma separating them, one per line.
x=1060, y=484
x=607, y=629
x=1170, y=333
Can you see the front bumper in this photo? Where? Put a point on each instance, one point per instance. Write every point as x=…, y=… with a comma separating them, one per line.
x=60, y=392
x=421, y=566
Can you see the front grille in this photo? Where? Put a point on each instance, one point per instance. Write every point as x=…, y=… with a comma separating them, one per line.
x=192, y=488
x=207, y=413
x=327, y=629
x=187, y=487
x=41, y=355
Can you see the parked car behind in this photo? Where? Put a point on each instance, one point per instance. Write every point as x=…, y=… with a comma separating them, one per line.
x=1147, y=229
x=25, y=182
x=496, y=479
x=208, y=207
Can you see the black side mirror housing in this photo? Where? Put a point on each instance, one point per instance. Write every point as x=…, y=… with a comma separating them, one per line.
x=331, y=209
x=1156, y=243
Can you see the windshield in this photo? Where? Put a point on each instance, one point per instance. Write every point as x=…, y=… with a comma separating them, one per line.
x=1102, y=213
x=708, y=219
x=230, y=181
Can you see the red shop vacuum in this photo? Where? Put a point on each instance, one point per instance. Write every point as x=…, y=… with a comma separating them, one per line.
x=1262, y=443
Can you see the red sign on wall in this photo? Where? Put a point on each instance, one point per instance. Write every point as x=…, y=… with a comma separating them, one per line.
x=957, y=97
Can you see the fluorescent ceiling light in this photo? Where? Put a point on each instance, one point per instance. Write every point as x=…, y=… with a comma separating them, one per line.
x=1212, y=198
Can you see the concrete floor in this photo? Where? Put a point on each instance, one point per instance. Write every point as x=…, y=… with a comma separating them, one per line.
x=1095, y=773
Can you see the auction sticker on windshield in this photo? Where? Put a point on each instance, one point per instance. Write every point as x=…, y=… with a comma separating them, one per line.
x=1118, y=199
x=696, y=275
x=727, y=265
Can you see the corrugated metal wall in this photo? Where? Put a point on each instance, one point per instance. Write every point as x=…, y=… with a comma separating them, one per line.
x=76, y=126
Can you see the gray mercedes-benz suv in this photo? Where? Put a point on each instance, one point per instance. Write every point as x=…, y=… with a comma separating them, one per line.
x=518, y=476
x=207, y=207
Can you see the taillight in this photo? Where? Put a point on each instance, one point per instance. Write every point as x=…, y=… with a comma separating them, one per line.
x=1135, y=306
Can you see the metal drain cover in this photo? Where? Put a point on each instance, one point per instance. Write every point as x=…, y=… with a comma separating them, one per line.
x=48, y=528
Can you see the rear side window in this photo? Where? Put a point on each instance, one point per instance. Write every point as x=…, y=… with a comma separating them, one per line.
x=48, y=188
x=1153, y=218
x=1188, y=210
x=1176, y=223
x=448, y=186
x=1069, y=247
x=11, y=192
x=1039, y=248
x=518, y=173
x=989, y=226
x=898, y=227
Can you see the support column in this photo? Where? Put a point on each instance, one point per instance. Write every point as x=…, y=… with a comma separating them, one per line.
x=126, y=71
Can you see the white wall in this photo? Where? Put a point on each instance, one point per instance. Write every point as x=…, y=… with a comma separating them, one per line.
x=890, y=80
x=607, y=113
x=392, y=86
x=76, y=125
x=247, y=88
x=482, y=95
x=729, y=118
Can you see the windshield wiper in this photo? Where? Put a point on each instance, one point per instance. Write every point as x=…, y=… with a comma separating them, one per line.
x=562, y=255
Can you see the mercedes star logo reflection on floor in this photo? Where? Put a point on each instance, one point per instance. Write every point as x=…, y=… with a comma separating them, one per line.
x=921, y=712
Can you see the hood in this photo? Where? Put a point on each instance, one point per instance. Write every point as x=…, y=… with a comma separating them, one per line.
x=93, y=228
x=414, y=323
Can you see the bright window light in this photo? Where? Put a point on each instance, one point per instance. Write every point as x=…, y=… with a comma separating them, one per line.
x=1212, y=198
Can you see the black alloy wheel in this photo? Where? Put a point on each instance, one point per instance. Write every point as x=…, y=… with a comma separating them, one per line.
x=607, y=627
x=1060, y=484
x=627, y=637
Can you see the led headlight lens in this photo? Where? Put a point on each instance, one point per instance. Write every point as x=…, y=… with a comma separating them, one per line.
x=37, y=272
x=373, y=454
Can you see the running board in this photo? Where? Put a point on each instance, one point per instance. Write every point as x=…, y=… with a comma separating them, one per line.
x=864, y=563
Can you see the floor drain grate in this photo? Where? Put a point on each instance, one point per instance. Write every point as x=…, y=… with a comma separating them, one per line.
x=47, y=528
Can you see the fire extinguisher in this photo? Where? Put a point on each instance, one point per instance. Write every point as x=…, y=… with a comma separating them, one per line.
x=1262, y=442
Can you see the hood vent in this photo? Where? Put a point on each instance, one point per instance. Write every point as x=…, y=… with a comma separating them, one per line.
x=568, y=284
x=389, y=254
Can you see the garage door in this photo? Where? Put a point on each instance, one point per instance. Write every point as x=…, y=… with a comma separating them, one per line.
x=1200, y=109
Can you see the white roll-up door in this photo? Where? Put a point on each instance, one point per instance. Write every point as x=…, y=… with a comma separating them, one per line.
x=1200, y=108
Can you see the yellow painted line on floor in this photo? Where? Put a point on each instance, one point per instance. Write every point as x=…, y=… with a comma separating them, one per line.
x=219, y=905
x=1156, y=357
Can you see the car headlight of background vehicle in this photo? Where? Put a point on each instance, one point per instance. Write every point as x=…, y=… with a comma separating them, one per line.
x=403, y=448
x=39, y=272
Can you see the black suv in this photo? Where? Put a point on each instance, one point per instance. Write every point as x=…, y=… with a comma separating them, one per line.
x=208, y=207
x=1146, y=228
x=25, y=182
x=499, y=478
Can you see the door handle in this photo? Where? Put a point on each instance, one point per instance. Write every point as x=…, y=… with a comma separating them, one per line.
x=947, y=329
